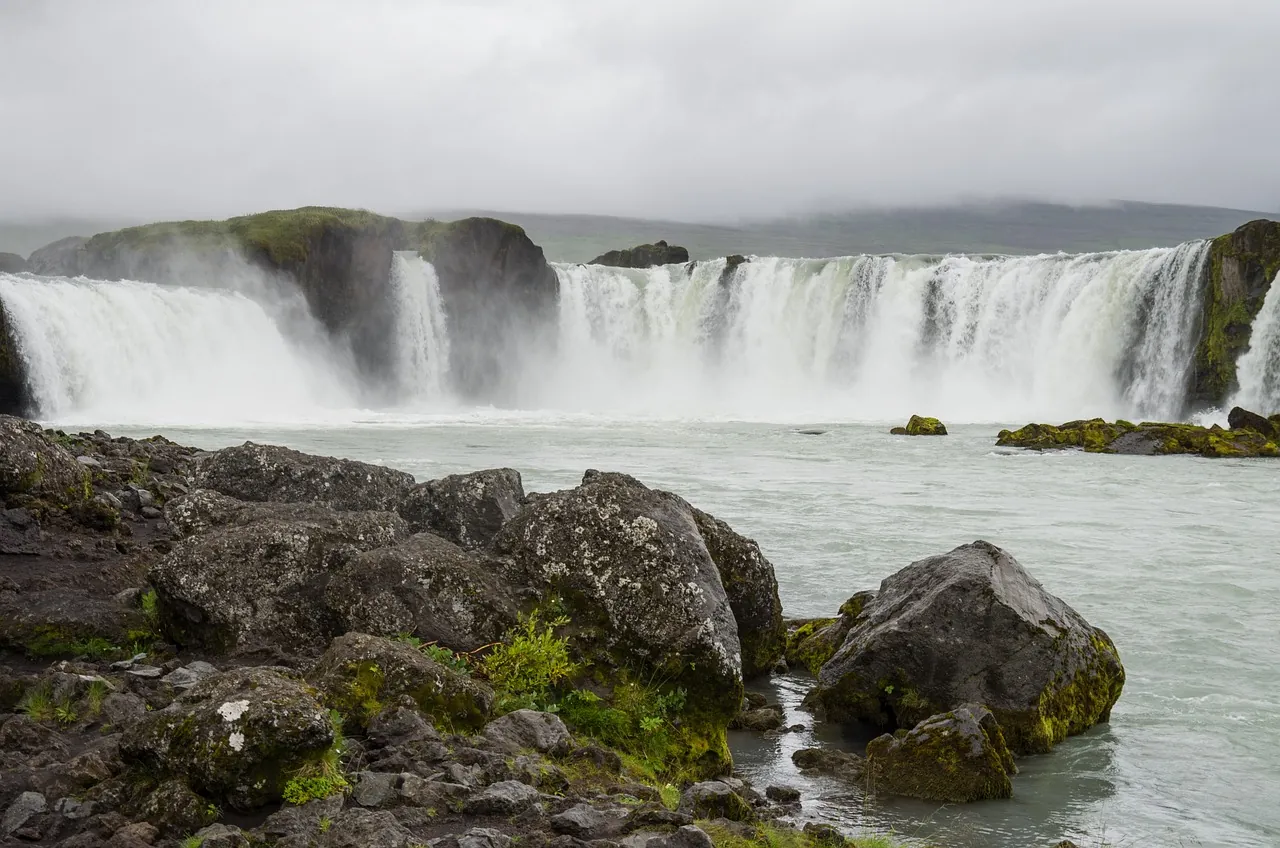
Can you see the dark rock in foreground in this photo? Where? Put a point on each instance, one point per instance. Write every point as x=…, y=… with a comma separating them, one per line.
x=1145, y=439
x=972, y=627
x=643, y=256
x=955, y=757
x=921, y=426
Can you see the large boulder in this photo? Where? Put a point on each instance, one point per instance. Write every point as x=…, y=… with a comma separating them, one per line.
x=971, y=626
x=32, y=465
x=359, y=673
x=261, y=578
x=1243, y=419
x=424, y=586
x=920, y=425
x=253, y=472
x=752, y=589
x=501, y=299
x=643, y=256
x=953, y=758
x=466, y=509
x=235, y=737
x=632, y=570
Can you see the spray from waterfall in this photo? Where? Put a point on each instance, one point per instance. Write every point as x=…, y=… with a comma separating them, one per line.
x=1258, y=370
x=422, y=335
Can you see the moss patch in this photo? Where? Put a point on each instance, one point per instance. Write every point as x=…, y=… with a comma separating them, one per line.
x=1149, y=437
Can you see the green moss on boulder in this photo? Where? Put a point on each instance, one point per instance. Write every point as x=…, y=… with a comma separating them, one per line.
x=1147, y=438
x=954, y=757
x=919, y=425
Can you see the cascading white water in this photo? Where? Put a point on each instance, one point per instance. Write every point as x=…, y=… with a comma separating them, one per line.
x=881, y=337
x=129, y=351
x=422, y=333
x=1258, y=369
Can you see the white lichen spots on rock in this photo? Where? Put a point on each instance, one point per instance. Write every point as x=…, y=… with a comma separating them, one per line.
x=231, y=711
x=236, y=740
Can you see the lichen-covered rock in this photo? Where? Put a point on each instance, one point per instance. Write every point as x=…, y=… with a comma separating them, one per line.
x=714, y=799
x=236, y=737
x=359, y=673
x=752, y=589
x=631, y=567
x=529, y=730
x=971, y=626
x=425, y=586
x=954, y=757
x=66, y=621
x=919, y=425
x=253, y=472
x=175, y=810
x=357, y=828
x=466, y=509
x=261, y=578
x=33, y=466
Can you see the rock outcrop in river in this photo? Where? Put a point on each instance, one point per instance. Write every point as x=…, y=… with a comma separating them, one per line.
x=643, y=256
x=1250, y=435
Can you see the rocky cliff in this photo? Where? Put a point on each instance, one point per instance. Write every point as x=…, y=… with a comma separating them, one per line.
x=1242, y=266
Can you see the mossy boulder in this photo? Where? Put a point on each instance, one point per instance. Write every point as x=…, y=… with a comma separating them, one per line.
x=972, y=626
x=631, y=569
x=257, y=575
x=235, y=737
x=643, y=256
x=811, y=642
x=714, y=799
x=1243, y=419
x=360, y=673
x=921, y=426
x=425, y=586
x=34, y=467
x=953, y=758
x=467, y=509
x=253, y=472
x=1242, y=267
x=1146, y=439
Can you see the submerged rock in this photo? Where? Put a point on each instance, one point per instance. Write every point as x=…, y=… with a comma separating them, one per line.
x=466, y=509
x=954, y=757
x=235, y=737
x=840, y=764
x=971, y=626
x=921, y=426
x=252, y=472
x=643, y=256
x=1146, y=439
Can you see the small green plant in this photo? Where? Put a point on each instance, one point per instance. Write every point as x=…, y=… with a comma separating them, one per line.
x=447, y=658
x=95, y=694
x=149, y=609
x=638, y=721
x=670, y=794
x=325, y=824
x=37, y=703
x=192, y=841
x=65, y=714
x=141, y=474
x=529, y=664
x=323, y=777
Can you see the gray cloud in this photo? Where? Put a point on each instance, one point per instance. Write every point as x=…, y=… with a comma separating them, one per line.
x=690, y=110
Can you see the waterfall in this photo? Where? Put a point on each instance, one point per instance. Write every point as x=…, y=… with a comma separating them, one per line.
x=879, y=337
x=422, y=336
x=1258, y=370
x=129, y=351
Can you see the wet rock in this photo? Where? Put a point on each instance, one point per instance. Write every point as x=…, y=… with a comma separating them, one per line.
x=505, y=798
x=189, y=675
x=235, y=737
x=971, y=626
x=783, y=794
x=953, y=757
x=426, y=586
x=643, y=256
x=358, y=672
x=32, y=465
x=714, y=799
x=1243, y=419
x=688, y=836
x=766, y=718
x=840, y=764
x=529, y=730
x=253, y=472
x=921, y=426
x=824, y=834
x=466, y=509
x=23, y=808
x=261, y=579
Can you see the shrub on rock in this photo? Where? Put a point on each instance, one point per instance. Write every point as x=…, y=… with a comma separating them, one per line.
x=971, y=626
x=953, y=757
x=359, y=673
x=236, y=737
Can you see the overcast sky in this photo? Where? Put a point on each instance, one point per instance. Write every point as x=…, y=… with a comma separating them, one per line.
x=697, y=109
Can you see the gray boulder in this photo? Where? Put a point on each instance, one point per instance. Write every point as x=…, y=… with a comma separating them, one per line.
x=582, y=821
x=23, y=809
x=426, y=586
x=359, y=673
x=635, y=576
x=261, y=579
x=504, y=798
x=466, y=509
x=529, y=730
x=971, y=626
x=253, y=472
x=33, y=465
x=715, y=799
x=688, y=836
x=357, y=828
x=954, y=757
x=840, y=764
x=235, y=737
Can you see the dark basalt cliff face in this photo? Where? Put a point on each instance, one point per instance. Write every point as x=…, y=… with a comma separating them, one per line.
x=643, y=256
x=1241, y=269
x=499, y=292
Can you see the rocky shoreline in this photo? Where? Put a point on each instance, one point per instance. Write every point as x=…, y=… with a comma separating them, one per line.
x=1250, y=435
x=255, y=646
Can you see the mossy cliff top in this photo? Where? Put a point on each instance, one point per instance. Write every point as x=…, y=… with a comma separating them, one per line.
x=1241, y=268
x=1147, y=438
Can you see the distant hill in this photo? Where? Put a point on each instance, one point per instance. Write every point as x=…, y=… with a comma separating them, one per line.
x=975, y=228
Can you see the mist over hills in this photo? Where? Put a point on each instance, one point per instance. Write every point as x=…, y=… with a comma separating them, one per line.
x=1013, y=228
